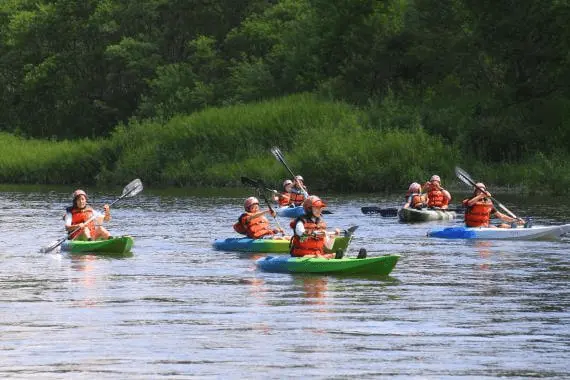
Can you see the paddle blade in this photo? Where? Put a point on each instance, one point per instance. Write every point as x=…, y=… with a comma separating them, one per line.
x=132, y=189
x=350, y=231
x=52, y=246
x=464, y=176
x=249, y=182
x=385, y=212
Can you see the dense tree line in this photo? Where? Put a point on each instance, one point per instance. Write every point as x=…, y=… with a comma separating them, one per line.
x=491, y=77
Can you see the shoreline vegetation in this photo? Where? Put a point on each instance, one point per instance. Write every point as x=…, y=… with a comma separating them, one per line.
x=336, y=146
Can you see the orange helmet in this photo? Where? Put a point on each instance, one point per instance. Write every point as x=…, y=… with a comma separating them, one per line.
x=287, y=182
x=415, y=188
x=250, y=202
x=79, y=192
x=313, y=201
x=435, y=177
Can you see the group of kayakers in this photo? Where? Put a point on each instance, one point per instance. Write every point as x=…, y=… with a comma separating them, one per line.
x=309, y=231
x=479, y=208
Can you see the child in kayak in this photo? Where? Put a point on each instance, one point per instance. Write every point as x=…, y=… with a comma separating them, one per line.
x=309, y=231
x=479, y=209
x=84, y=223
x=284, y=198
x=253, y=222
x=414, y=197
x=298, y=192
x=437, y=196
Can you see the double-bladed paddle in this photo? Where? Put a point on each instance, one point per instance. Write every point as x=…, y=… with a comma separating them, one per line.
x=466, y=179
x=393, y=211
x=279, y=156
x=132, y=189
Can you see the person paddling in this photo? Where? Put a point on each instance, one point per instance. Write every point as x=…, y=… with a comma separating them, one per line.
x=299, y=191
x=253, y=222
x=414, y=197
x=284, y=198
x=84, y=223
x=437, y=196
x=479, y=208
x=309, y=231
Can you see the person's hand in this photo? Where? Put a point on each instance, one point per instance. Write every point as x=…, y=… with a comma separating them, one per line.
x=273, y=213
x=520, y=221
x=107, y=209
x=337, y=231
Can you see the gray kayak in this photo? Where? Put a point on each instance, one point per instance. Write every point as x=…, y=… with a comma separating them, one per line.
x=412, y=215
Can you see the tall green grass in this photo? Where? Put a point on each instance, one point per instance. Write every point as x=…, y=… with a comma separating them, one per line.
x=336, y=147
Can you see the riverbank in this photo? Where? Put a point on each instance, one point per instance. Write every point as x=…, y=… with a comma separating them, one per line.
x=333, y=145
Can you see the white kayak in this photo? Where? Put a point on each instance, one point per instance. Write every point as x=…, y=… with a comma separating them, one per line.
x=410, y=215
x=519, y=233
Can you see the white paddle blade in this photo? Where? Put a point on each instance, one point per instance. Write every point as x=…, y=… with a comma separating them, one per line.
x=464, y=176
x=132, y=189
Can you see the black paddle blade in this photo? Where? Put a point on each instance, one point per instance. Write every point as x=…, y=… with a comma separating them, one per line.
x=249, y=182
x=52, y=246
x=350, y=231
x=385, y=212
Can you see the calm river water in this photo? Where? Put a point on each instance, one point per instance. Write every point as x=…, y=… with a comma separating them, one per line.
x=177, y=309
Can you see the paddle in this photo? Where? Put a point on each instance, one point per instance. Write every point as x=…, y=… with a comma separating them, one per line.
x=393, y=211
x=259, y=184
x=132, y=189
x=466, y=178
x=277, y=153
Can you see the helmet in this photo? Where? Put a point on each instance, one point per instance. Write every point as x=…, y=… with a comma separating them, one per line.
x=313, y=201
x=287, y=182
x=79, y=192
x=298, y=177
x=435, y=177
x=415, y=188
x=250, y=202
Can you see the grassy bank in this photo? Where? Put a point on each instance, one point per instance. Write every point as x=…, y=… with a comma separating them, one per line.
x=333, y=145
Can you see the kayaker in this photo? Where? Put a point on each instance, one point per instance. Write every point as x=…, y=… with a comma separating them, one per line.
x=414, y=197
x=284, y=198
x=309, y=231
x=437, y=196
x=299, y=191
x=479, y=209
x=253, y=222
x=84, y=223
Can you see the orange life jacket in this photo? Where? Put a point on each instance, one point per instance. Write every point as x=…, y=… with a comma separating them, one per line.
x=436, y=198
x=255, y=228
x=415, y=200
x=284, y=199
x=308, y=244
x=80, y=216
x=296, y=197
x=479, y=214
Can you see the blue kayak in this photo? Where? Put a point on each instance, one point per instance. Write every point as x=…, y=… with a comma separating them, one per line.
x=268, y=245
x=519, y=233
x=290, y=212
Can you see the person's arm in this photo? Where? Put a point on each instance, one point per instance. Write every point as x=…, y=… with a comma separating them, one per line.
x=250, y=217
x=506, y=218
x=470, y=202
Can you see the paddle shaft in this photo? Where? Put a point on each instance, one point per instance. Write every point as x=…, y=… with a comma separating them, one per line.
x=277, y=153
x=464, y=176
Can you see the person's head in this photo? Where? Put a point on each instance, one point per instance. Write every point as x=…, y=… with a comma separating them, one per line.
x=435, y=178
x=79, y=198
x=414, y=188
x=313, y=205
x=287, y=185
x=250, y=204
x=479, y=188
x=299, y=179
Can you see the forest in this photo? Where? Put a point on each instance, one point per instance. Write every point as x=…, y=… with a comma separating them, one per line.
x=361, y=95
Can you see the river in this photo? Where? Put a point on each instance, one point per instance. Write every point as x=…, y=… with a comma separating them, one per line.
x=177, y=309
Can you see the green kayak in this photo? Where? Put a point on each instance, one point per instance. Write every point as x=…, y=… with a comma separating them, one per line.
x=118, y=245
x=381, y=265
